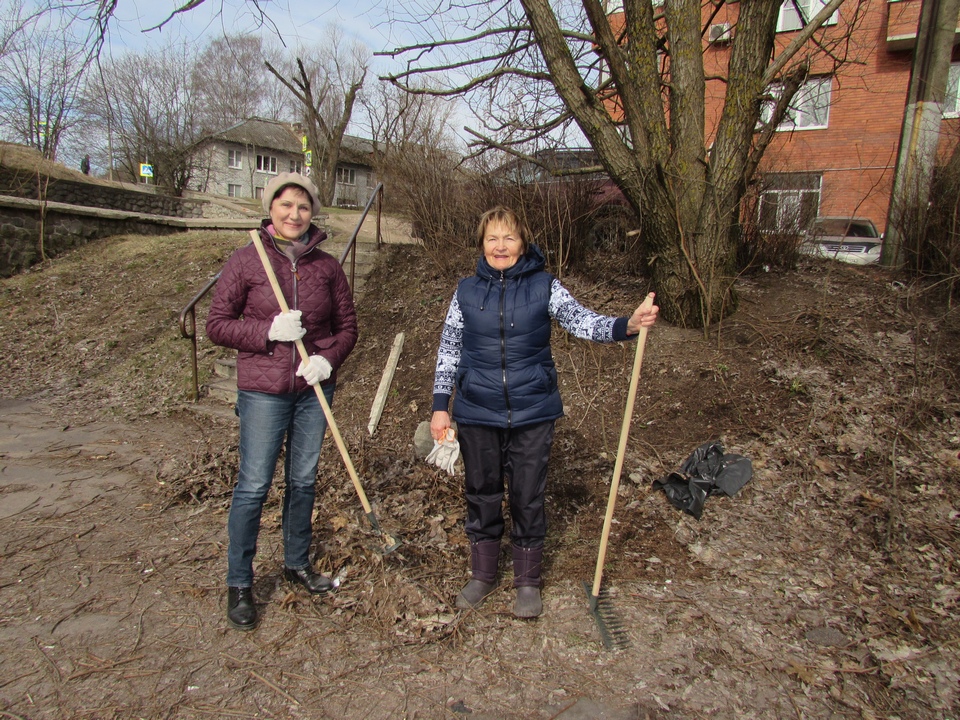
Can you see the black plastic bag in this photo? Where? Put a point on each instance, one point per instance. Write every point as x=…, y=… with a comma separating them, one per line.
x=708, y=471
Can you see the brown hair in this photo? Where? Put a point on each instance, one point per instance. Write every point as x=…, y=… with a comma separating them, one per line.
x=506, y=217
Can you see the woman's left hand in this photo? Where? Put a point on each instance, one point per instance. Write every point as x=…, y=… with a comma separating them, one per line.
x=643, y=316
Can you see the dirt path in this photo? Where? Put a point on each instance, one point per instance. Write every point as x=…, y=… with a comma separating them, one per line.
x=111, y=608
x=392, y=230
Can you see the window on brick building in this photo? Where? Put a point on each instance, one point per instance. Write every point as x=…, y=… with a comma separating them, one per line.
x=951, y=99
x=234, y=190
x=789, y=202
x=346, y=176
x=790, y=19
x=810, y=108
x=296, y=166
x=235, y=159
x=267, y=164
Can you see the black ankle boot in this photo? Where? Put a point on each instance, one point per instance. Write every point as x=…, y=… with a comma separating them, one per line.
x=241, y=610
x=313, y=581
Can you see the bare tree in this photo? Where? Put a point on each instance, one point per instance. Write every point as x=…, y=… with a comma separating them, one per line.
x=396, y=119
x=40, y=78
x=325, y=81
x=233, y=84
x=13, y=20
x=635, y=84
x=416, y=156
x=147, y=108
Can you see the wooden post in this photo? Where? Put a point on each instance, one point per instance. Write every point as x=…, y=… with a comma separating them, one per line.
x=381, y=398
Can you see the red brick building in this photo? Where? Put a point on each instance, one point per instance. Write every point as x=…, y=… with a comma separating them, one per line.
x=837, y=152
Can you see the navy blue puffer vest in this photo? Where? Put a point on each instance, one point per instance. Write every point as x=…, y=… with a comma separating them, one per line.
x=506, y=376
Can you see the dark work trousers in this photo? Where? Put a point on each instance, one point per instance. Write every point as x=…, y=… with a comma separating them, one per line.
x=519, y=457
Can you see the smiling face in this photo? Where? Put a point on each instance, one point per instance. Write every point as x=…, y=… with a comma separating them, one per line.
x=502, y=245
x=291, y=212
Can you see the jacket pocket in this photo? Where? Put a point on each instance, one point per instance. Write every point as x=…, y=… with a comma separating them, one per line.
x=463, y=383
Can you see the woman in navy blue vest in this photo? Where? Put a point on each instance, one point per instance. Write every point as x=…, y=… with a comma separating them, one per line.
x=495, y=350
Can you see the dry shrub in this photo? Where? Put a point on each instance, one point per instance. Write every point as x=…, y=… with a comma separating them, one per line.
x=939, y=254
x=764, y=248
x=570, y=219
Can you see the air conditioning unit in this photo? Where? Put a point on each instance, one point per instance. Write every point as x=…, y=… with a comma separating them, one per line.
x=721, y=33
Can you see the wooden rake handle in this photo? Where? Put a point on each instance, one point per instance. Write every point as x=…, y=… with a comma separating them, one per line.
x=305, y=356
x=621, y=450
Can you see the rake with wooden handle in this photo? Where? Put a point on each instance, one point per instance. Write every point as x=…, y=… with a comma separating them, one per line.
x=390, y=543
x=611, y=634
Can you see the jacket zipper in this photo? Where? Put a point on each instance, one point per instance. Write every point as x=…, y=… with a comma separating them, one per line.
x=296, y=306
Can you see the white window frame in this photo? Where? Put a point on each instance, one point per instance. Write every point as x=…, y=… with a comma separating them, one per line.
x=350, y=173
x=951, y=97
x=234, y=190
x=789, y=207
x=267, y=164
x=296, y=166
x=789, y=20
x=810, y=108
x=235, y=159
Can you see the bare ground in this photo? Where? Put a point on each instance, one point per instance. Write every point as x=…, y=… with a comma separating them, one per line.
x=827, y=588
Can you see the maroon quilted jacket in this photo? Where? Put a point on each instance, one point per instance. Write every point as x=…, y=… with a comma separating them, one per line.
x=244, y=306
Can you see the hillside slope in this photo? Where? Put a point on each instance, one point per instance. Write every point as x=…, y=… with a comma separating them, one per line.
x=826, y=588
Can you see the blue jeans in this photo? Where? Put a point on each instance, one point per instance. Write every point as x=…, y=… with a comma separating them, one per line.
x=265, y=420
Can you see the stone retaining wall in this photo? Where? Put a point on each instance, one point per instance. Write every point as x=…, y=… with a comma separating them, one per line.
x=63, y=230
x=19, y=183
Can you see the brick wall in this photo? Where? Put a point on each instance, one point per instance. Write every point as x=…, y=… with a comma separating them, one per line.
x=856, y=153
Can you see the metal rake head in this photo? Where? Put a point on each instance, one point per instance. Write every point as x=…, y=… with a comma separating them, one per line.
x=613, y=632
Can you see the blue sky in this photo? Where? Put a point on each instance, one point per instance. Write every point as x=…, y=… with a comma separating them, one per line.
x=303, y=20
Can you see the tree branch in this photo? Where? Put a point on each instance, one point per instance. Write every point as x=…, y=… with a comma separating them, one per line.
x=798, y=42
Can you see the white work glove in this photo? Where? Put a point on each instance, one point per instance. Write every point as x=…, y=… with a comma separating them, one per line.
x=316, y=370
x=445, y=452
x=286, y=327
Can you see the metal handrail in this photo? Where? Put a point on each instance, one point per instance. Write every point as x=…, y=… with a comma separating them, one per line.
x=351, y=248
x=188, y=316
x=190, y=313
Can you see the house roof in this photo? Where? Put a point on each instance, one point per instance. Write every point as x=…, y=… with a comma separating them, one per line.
x=262, y=133
x=275, y=135
x=356, y=150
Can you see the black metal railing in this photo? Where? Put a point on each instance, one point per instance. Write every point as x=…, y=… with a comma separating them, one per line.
x=188, y=316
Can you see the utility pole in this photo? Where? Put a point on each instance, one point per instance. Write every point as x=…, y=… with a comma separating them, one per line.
x=920, y=131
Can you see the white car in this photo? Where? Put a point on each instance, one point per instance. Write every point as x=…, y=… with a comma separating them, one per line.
x=848, y=239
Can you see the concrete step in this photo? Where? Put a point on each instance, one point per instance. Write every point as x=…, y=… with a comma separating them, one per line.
x=223, y=390
x=226, y=368
x=214, y=410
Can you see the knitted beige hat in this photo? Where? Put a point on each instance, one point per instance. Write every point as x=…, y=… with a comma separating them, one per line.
x=289, y=178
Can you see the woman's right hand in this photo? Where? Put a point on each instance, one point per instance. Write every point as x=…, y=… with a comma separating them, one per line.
x=439, y=424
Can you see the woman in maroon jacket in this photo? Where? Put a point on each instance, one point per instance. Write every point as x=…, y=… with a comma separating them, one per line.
x=275, y=400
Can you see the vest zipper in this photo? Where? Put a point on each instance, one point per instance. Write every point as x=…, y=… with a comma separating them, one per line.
x=503, y=347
